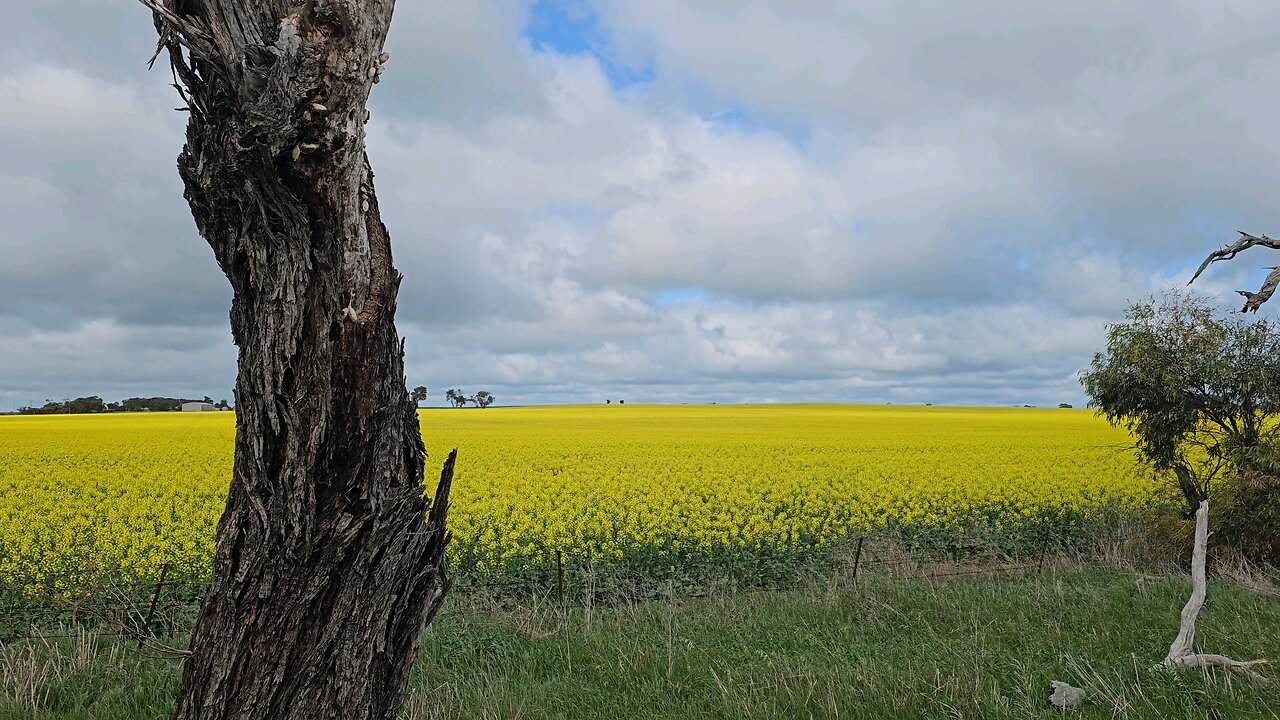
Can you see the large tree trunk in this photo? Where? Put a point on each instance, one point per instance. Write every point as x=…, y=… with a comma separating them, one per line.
x=1190, y=489
x=329, y=561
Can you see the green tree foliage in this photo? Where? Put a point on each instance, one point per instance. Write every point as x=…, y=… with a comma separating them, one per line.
x=1199, y=391
x=94, y=404
x=153, y=404
x=90, y=404
x=419, y=394
x=483, y=399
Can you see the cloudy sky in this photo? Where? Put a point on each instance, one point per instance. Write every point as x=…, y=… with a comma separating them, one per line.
x=677, y=200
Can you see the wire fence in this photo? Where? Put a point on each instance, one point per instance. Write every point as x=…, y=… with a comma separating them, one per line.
x=559, y=578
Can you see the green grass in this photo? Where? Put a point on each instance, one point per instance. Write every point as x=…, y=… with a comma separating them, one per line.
x=889, y=648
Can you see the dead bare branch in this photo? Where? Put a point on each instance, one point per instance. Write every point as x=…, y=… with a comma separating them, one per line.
x=1253, y=301
x=1229, y=252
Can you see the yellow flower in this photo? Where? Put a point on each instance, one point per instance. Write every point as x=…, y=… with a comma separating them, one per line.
x=82, y=496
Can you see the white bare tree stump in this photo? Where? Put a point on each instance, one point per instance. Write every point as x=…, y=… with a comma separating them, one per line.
x=1181, y=653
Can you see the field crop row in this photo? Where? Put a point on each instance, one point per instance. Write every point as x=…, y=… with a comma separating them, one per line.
x=82, y=496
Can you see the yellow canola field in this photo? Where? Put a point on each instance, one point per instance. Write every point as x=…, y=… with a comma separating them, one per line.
x=126, y=494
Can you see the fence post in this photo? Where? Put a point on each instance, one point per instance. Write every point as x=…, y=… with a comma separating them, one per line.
x=857, y=560
x=151, y=611
x=1044, y=548
x=560, y=577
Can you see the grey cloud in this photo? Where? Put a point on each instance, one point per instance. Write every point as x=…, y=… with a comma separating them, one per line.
x=941, y=203
x=113, y=360
x=107, y=39
x=1120, y=113
x=842, y=351
x=93, y=219
x=1024, y=66
x=456, y=62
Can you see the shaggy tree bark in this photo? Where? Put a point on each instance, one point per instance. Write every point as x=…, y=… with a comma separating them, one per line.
x=1252, y=301
x=329, y=561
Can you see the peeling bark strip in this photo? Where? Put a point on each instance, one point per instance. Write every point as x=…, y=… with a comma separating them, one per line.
x=329, y=560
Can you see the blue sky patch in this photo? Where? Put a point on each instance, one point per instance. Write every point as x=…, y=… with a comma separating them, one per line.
x=677, y=295
x=570, y=27
x=738, y=117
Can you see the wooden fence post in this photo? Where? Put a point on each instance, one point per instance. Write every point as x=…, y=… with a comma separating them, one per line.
x=560, y=577
x=857, y=560
x=151, y=611
x=1044, y=548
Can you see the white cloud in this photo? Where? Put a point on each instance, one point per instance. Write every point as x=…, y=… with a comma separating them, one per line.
x=859, y=202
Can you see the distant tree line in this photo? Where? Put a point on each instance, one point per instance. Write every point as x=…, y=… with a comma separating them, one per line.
x=95, y=404
x=456, y=398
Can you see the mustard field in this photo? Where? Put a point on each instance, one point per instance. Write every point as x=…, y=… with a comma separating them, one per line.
x=124, y=494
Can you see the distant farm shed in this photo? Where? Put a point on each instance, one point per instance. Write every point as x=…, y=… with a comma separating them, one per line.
x=197, y=407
